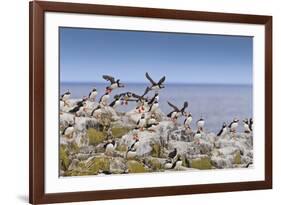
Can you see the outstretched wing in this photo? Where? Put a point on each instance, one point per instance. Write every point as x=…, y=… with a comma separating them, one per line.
x=109, y=78
x=150, y=79
x=185, y=105
x=146, y=91
x=173, y=106
x=162, y=80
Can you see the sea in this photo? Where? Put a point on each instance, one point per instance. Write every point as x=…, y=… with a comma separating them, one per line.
x=215, y=103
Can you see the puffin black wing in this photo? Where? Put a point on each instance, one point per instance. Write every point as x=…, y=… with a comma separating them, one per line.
x=162, y=80
x=109, y=78
x=75, y=109
x=173, y=106
x=172, y=154
x=220, y=132
x=185, y=105
x=63, y=132
x=150, y=79
x=113, y=103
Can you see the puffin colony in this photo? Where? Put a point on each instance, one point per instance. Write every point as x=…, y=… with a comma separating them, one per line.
x=96, y=139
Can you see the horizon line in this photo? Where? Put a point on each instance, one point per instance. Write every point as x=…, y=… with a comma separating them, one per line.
x=185, y=83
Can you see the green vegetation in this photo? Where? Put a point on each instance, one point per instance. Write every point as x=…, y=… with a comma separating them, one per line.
x=135, y=167
x=118, y=132
x=64, y=157
x=95, y=137
x=203, y=163
x=237, y=158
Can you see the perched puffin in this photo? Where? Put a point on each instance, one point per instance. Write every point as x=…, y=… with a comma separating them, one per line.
x=132, y=150
x=141, y=122
x=93, y=94
x=152, y=126
x=82, y=102
x=169, y=164
x=105, y=97
x=152, y=119
x=200, y=124
x=233, y=125
x=223, y=130
x=153, y=106
x=187, y=120
x=197, y=136
x=116, y=101
x=154, y=85
x=251, y=124
x=96, y=112
x=173, y=154
x=246, y=124
x=78, y=109
x=68, y=131
x=110, y=146
x=65, y=96
x=113, y=83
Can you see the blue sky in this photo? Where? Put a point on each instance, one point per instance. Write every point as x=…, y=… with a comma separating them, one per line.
x=87, y=54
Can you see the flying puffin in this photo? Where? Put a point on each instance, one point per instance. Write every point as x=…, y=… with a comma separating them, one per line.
x=141, y=122
x=153, y=106
x=177, y=112
x=173, y=154
x=125, y=97
x=65, y=96
x=105, y=97
x=223, y=130
x=246, y=124
x=233, y=125
x=187, y=120
x=154, y=98
x=113, y=83
x=93, y=94
x=110, y=146
x=154, y=85
x=200, y=124
x=116, y=101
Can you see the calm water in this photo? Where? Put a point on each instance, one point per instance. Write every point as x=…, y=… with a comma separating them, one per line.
x=215, y=103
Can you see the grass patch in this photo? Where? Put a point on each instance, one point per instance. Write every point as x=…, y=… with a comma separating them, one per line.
x=95, y=137
x=64, y=158
x=237, y=158
x=118, y=132
x=203, y=163
x=135, y=167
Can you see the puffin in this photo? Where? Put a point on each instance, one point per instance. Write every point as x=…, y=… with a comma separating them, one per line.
x=116, y=102
x=105, y=97
x=177, y=112
x=78, y=109
x=169, y=164
x=82, y=102
x=153, y=106
x=173, y=154
x=233, y=125
x=154, y=98
x=68, y=131
x=152, y=119
x=200, y=124
x=126, y=97
x=65, y=96
x=246, y=124
x=154, y=85
x=152, y=126
x=113, y=83
x=93, y=94
x=132, y=150
x=96, y=111
x=187, y=120
x=223, y=130
x=141, y=122
x=110, y=146
x=251, y=124
x=197, y=136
